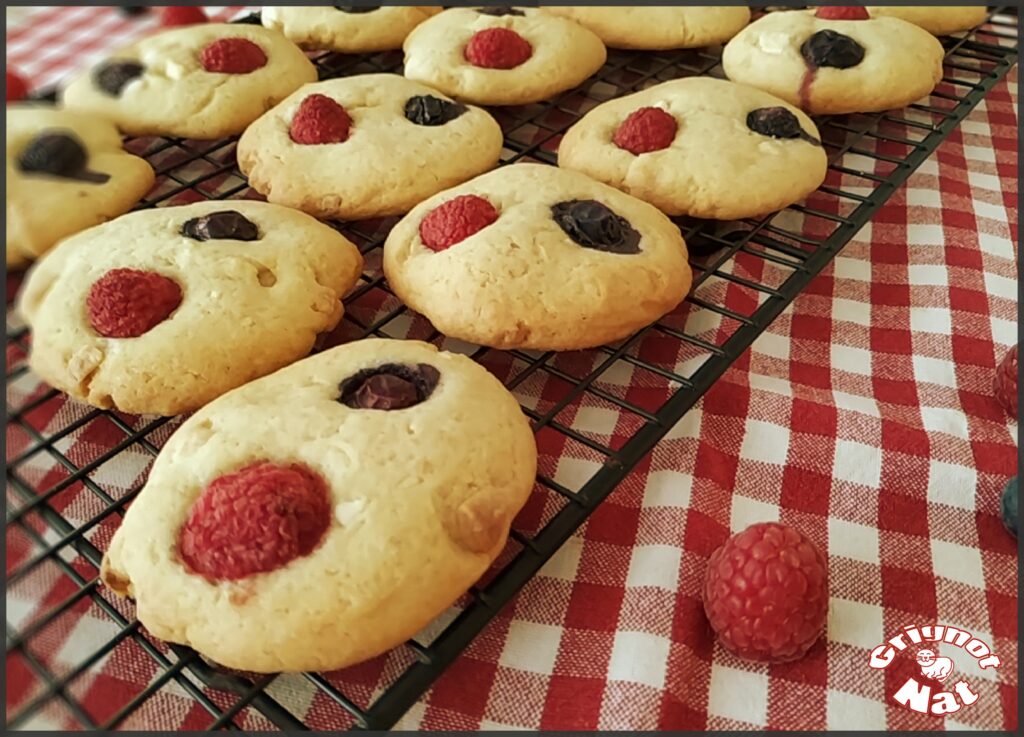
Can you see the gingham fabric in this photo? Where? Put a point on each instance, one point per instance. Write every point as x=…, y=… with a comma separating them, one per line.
x=864, y=416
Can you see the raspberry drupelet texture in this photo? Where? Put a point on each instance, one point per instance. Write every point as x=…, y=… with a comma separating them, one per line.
x=17, y=88
x=766, y=593
x=233, y=56
x=497, y=48
x=645, y=130
x=842, y=12
x=172, y=16
x=320, y=119
x=456, y=220
x=255, y=520
x=127, y=303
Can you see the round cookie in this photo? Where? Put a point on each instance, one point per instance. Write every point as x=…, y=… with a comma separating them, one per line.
x=353, y=522
x=347, y=29
x=160, y=311
x=658, y=28
x=700, y=146
x=501, y=56
x=836, y=66
x=201, y=81
x=366, y=146
x=937, y=19
x=65, y=172
x=532, y=256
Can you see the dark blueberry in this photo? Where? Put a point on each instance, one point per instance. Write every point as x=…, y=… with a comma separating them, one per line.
x=1009, y=506
x=831, y=49
x=391, y=386
x=221, y=225
x=133, y=10
x=777, y=122
x=60, y=154
x=430, y=110
x=254, y=19
x=112, y=76
x=592, y=225
x=499, y=10
x=357, y=8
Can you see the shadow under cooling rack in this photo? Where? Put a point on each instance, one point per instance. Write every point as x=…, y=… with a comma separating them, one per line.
x=77, y=658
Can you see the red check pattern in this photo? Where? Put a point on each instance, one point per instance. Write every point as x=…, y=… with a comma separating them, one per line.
x=864, y=416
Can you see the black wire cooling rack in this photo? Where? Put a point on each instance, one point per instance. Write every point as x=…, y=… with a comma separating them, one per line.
x=746, y=273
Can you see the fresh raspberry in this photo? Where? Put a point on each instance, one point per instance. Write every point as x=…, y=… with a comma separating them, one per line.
x=320, y=119
x=766, y=593
x=255, y=520
x=126, y=303
x=497, y=48
x=17, y=88
x=1006, y=383
x=645, y=130
x=233, y=56
x=456, y=220
x=842, y=12
x=182, y=15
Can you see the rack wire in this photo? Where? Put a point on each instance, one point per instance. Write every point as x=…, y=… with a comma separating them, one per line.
x=72, y=470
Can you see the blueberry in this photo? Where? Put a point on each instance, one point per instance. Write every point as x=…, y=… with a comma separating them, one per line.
x=221, y=225
x=831, y=49
x=1009, y=506
x=357, y=8
x=391, y=386
x=60, y=154
x=112, y=76
x=253, y=19
x=777, y=122
x=593, y=225
x=430, y=110
x=499, y=10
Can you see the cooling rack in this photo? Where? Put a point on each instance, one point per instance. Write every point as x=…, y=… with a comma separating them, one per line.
x=72, y=470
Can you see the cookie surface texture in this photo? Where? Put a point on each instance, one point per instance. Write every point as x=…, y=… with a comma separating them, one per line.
x=517, y=59
x=160, y=311
x=65, y=172
x=405, y=142
x=326, y=27
x=204, y=81
x=937, y=19
x=532, y=256
x=835, y=66
x=418, y=504
x=658, y=28
x=715, y=165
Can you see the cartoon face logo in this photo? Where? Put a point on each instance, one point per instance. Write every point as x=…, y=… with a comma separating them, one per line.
x=936, y=668
x=925, y=657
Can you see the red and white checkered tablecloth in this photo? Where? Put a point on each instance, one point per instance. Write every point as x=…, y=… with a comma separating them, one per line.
x=864, y=416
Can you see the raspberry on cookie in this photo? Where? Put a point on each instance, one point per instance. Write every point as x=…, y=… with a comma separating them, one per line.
x=501, y=56
x=347, y=29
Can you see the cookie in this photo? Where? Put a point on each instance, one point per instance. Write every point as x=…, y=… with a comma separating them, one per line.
x=658, y=28
x=501, y=56
x=348, y=29
x=937, y=19
x=202, y=81
x=160, y=311
x=65, y=172
x=327, y=513
x=830, y=66
x=700, y=146
x=532, y=256
x=366, y=146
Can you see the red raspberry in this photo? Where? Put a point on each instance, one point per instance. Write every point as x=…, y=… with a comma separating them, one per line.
x=255, y=520
x=320, y=119
x=842, y=12
x=17, y=88
x=645, y=130
x=456, y=220
x=497, y=48
x=766, y=593
x=126, y=303
x=1006, y=383
x=233, y=56
x=182, y=15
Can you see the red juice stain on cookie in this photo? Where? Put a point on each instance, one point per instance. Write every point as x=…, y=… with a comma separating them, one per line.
x=233, y=56
x=127, y=303
x=827, y=49
x=455, y=221
x=497, y=48
x=255, y=520
x=645, y=130
x=320, y=119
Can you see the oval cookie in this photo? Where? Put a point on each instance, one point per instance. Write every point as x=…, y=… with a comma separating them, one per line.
x=658, y=28
x=347, y=29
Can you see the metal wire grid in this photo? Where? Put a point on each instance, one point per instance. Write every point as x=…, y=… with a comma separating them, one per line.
x=746, y=273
